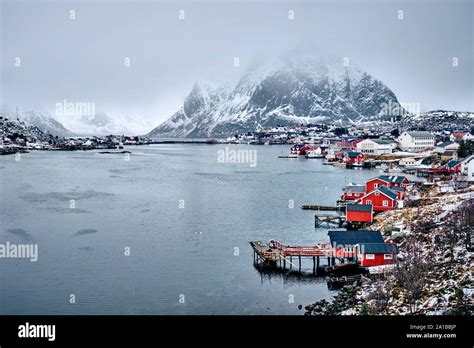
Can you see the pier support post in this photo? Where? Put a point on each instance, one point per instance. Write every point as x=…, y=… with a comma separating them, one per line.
x=333, y=261
x=299, y=257
x=284, y=263
x=329, y=261
x=317, y=264
x=314, y=264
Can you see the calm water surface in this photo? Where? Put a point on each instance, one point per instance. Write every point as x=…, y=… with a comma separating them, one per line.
x=174, y=251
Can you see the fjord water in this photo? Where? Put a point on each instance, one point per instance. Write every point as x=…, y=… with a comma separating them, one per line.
x=199, y=250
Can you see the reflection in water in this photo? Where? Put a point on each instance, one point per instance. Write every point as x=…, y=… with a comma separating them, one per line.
x=271, y=270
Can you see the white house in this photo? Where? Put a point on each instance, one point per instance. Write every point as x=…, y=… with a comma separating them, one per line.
x=467, y=167
x=458, y=136
x=409, y=162
x=374, y=146
x=415, y=141
x=446, y=146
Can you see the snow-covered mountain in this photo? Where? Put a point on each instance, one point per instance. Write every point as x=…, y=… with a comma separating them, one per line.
x=102, y=123
x=13, y=128
x=286, y=91
x=43, y=121
x=438, y=120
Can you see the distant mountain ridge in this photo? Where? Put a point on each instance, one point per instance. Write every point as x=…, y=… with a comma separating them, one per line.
x=288, y=91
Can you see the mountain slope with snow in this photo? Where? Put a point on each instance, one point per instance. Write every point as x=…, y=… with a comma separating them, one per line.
x=438, y=120
x=286, y=91
x=43, y=121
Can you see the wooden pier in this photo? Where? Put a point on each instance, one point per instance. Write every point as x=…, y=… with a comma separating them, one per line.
x=279, y=254
x=323, y=207
x=329, y=219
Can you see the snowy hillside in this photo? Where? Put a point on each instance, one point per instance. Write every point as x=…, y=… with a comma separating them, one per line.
x=439, y=120
x=43, y=121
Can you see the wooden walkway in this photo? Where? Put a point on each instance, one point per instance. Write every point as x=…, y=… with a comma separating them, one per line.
x=329, y=219
x=276, y=252
x=323, y=207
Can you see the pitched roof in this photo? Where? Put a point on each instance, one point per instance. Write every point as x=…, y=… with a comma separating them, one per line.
x=378, y=248
x=445, y=144
x=381, y=141
x=352, y=154
x=354, y=189
x=392, y=178
x=388, y=192
x=419, y=134
x=396, y=189
x=452, y=163
x=354, y=237
x=359, y=207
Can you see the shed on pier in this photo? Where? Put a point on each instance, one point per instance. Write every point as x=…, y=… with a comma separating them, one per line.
x=359, y=213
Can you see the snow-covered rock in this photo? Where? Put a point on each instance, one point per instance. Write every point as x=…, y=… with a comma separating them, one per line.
x=282, y=92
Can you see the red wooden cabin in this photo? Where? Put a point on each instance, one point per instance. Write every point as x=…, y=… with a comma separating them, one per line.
x=353, y=157
x=386, y=180
x=381, y=199
x=376, y=254
x=359, y=213
x=352, y=192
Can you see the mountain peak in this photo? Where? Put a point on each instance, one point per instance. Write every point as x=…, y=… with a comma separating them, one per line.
x=283, y=90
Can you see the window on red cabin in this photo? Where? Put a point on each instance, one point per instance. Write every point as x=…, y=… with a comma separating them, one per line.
x=376, y=185
x=368, y=201
x=369, y=256
x=385, y=203
x=387, y=256
x=377, y=193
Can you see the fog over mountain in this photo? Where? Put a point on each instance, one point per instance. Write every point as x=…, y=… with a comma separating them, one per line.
x=284, y=91
x=138, y=62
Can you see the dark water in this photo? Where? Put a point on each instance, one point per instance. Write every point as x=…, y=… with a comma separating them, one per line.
x=174, y=251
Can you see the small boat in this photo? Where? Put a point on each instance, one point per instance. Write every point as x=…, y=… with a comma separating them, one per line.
x=291, y=155
x=358, y=164
x=393, y=170
x=313, y=154
x=339, y=282
x=345, y=269
x=120, y=146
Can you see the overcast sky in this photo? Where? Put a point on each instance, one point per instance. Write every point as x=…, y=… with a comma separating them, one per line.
x=82, y=59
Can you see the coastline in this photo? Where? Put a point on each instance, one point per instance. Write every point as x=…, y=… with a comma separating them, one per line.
x=432, y=274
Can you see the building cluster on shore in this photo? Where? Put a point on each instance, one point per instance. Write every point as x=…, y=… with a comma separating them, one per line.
x=412, y=152
x=19, y=136
x=403, y=238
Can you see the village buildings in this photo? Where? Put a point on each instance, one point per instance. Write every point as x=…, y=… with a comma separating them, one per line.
x=414, y=141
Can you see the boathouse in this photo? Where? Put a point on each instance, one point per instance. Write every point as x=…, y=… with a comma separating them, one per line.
x=376, y=254
x=352, y=192
x=359, y=213
x=344, y=242
x=353, y=157
x=386, y=180
x=382, y=198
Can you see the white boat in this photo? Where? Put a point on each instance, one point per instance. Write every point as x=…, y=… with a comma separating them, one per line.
x=313, y=154
x=358, y=164
x=393, y=170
